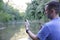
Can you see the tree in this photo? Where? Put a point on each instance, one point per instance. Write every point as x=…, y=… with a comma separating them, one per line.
x=35, y=10
x=8, y=13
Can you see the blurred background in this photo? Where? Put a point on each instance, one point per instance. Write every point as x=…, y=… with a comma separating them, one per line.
x=13, y=14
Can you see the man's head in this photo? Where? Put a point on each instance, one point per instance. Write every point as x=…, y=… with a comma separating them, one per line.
x=52, y=9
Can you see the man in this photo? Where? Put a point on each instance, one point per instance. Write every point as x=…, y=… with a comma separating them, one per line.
x=50, y=30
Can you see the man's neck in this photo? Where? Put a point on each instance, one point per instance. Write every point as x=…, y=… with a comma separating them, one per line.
x=56, y=16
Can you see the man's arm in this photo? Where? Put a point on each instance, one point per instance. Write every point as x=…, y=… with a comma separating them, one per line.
x=33, y=36
x=28, y=31
x=41, y=35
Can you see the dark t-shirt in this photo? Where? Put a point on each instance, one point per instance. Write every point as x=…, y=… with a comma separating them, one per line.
x=50, y=31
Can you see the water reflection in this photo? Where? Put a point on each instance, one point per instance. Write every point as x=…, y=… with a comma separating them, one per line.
x=16, y=31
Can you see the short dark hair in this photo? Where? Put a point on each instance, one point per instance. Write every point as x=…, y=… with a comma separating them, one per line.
x=54, y=5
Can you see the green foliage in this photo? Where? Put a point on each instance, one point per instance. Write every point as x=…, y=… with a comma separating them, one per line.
x=4, y=17
x=1, y=4
x=31, y=10
x=12, y=11
x=35, y=9
x=8, y=13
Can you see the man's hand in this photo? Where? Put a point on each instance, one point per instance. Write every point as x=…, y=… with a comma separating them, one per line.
x=32, y=35
x=27, y=24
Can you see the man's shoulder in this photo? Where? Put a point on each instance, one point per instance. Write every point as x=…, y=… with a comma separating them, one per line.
x=49, y=23
x=53, y=21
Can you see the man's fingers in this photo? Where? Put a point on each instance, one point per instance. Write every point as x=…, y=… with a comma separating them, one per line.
x=27, y=22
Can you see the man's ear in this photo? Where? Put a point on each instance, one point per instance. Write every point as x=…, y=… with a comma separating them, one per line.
x=53, y=11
